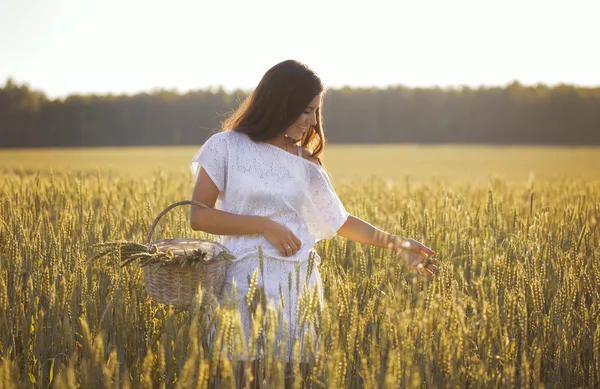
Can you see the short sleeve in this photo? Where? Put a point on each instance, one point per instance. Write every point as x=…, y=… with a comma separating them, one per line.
x=213, y=156
x=328, y=213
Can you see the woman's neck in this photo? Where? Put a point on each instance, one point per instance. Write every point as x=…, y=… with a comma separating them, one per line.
x=283, y=142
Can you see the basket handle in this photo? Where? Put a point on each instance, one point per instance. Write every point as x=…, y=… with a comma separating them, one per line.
x=170, y=207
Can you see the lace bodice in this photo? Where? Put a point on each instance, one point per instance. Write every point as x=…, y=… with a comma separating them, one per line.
x=260, y=179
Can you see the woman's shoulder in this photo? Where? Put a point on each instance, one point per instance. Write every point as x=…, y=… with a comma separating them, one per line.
x=227, y=139
x=221, y=135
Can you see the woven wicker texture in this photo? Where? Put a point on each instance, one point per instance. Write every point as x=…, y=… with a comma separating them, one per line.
x=175, y=284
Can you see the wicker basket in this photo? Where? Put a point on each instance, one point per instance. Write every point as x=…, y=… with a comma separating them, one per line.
x=177, y=284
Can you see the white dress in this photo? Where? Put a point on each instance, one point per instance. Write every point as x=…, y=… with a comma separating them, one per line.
x=260, y=179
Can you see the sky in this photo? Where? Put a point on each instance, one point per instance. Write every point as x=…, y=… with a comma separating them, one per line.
x=65, y=47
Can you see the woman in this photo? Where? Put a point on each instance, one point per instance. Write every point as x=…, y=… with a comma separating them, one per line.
x=263, y=181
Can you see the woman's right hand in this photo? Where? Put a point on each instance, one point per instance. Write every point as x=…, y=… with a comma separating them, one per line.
x=417, y=255
x=281, y=237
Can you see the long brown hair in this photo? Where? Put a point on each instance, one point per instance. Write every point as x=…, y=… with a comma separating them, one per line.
x=281, y=96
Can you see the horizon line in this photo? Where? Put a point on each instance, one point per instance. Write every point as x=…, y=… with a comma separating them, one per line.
x=216, y=88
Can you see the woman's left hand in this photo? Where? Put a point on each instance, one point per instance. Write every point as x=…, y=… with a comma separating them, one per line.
x=418, y=256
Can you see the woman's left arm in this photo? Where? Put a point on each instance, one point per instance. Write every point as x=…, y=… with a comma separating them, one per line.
x=417, y=254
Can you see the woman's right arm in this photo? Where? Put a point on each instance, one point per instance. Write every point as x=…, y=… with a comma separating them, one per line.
x=219, y=222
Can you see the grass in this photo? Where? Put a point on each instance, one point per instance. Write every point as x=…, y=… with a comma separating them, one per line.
x=516, y=302
x=451, y=163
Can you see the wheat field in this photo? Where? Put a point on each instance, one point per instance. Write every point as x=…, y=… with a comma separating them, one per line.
x=515, y=304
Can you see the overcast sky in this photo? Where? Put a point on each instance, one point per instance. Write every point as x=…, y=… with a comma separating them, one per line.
x=129, y=46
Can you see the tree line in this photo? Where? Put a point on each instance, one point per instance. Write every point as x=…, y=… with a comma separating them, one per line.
x=512, y=114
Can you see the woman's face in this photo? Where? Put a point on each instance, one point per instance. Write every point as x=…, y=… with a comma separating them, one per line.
x=305, y=120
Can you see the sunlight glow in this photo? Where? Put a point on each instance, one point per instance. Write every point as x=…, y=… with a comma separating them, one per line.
x=73, y=46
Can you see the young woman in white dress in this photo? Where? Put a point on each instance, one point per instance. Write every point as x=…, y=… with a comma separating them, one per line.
x=262, y=178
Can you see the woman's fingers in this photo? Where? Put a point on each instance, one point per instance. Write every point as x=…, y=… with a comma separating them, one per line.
x=426, y=250
x=282, y=250
x=293, y=247
x=296, y=241
x=429, y=261
x=284, y=240
x=294, y=244
x=428, y=253
x=429, y=270
x=419, y=247
x=413, y=245
x=425, y=265
x=419, y=257
x=288, y=249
